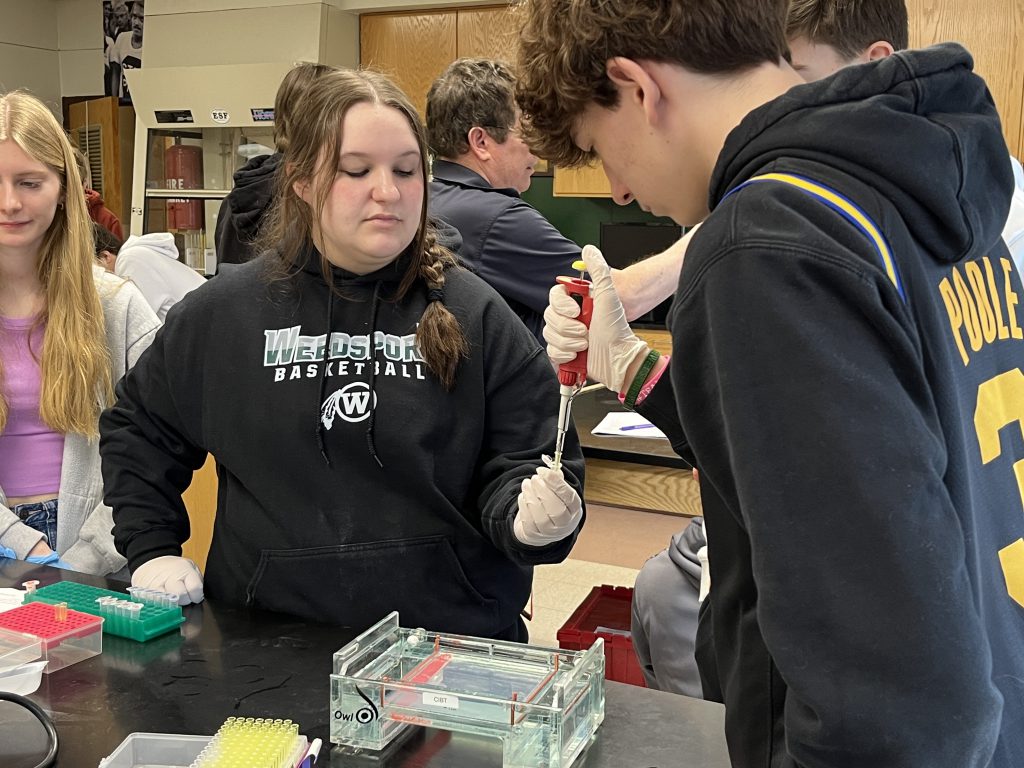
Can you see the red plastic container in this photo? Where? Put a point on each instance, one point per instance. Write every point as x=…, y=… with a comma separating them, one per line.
x=605, y=613
x=63, y=641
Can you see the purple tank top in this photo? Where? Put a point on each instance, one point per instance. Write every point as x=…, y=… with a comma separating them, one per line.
x=30, y=452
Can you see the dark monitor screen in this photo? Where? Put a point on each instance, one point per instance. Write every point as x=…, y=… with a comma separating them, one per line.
x=627, y=243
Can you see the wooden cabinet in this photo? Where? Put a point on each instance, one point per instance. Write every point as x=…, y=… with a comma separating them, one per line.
x=413, y=48
x=105, y=132
x=657, y=338
x=993, y=31
x=490, y=33
x=588, y=181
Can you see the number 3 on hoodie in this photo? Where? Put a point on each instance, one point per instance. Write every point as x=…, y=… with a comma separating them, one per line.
x=1001, y=403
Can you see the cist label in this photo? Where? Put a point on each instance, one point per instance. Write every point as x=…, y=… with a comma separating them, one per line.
x=443, y=700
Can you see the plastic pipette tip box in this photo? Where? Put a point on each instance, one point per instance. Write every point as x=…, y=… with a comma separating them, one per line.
x=174, y=750
x=168, y=750
x=151, y=621
x=251, y=742
x=66, y=636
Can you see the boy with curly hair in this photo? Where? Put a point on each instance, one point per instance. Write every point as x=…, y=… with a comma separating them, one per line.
x=846, y=370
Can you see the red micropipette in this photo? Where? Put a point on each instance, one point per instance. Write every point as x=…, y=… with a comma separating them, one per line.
x=572, y=375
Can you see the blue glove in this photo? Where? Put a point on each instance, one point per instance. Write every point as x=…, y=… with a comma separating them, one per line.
x=51, y=559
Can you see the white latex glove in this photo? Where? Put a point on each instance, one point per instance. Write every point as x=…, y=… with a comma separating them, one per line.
x=549, y=509
x=613, y=345
x=173, y=575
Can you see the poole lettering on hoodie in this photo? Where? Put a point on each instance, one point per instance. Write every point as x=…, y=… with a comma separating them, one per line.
x=981, y=301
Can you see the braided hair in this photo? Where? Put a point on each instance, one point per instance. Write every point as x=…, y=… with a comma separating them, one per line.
x=439, y=334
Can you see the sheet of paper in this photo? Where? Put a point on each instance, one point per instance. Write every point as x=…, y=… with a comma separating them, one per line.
x=626, y=424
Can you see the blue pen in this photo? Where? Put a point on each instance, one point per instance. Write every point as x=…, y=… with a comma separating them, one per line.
x=631, y=427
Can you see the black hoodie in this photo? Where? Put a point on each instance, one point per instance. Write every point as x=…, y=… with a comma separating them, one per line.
x=350, y=490
x=856, y=444
x=238, y=222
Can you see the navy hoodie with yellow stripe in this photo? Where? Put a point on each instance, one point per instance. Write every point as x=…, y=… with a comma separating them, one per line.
x=860, y=442
x=351, y=483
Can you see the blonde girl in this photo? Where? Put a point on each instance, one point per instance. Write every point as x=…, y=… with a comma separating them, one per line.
x=68, y=331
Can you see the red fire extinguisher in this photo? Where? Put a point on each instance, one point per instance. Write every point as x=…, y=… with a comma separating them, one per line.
x=183, y=167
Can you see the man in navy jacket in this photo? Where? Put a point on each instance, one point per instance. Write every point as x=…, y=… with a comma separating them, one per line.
x=481, y=166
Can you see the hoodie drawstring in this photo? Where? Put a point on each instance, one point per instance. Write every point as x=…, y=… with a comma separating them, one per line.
x=373, y=374
x=323, y=380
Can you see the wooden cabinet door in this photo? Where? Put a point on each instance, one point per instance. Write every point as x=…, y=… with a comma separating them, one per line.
x=588, y=181
x=993, y=31
x=95, y=125
x=413, y=48
x=488, y=33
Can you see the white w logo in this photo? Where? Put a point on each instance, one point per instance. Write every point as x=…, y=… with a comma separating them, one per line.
x=351, y=403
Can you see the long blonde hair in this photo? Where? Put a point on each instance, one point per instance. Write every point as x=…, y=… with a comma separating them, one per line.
x=75, y=361
x=312, y=156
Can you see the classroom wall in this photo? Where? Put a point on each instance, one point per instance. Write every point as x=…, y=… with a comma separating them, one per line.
x=28, y=49
x=80, y=47
x=54, y=48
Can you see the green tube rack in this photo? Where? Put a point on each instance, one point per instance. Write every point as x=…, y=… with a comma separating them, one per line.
x=152, y=621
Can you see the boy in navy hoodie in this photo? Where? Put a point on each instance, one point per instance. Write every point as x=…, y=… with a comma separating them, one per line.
x=846, y=369
x=824, y=36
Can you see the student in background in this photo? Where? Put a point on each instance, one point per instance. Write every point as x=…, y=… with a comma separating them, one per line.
x=98, y=210
x=377, y=414
x=151, y=262
x=243, y=210
x=666, y=602
x=68, y=332
x=854, y=422
x=828, y=35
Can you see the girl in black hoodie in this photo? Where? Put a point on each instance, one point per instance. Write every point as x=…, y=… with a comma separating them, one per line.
x=378, y=415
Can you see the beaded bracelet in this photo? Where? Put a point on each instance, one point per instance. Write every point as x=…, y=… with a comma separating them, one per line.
x=641, y=376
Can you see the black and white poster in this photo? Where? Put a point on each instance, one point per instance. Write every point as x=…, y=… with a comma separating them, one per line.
x=122, y=44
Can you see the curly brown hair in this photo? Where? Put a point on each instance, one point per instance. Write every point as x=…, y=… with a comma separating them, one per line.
x=849, y=26
x=312, y=156
x=565, y=46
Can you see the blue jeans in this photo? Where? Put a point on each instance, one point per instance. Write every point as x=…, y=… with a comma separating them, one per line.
x=41, y=516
